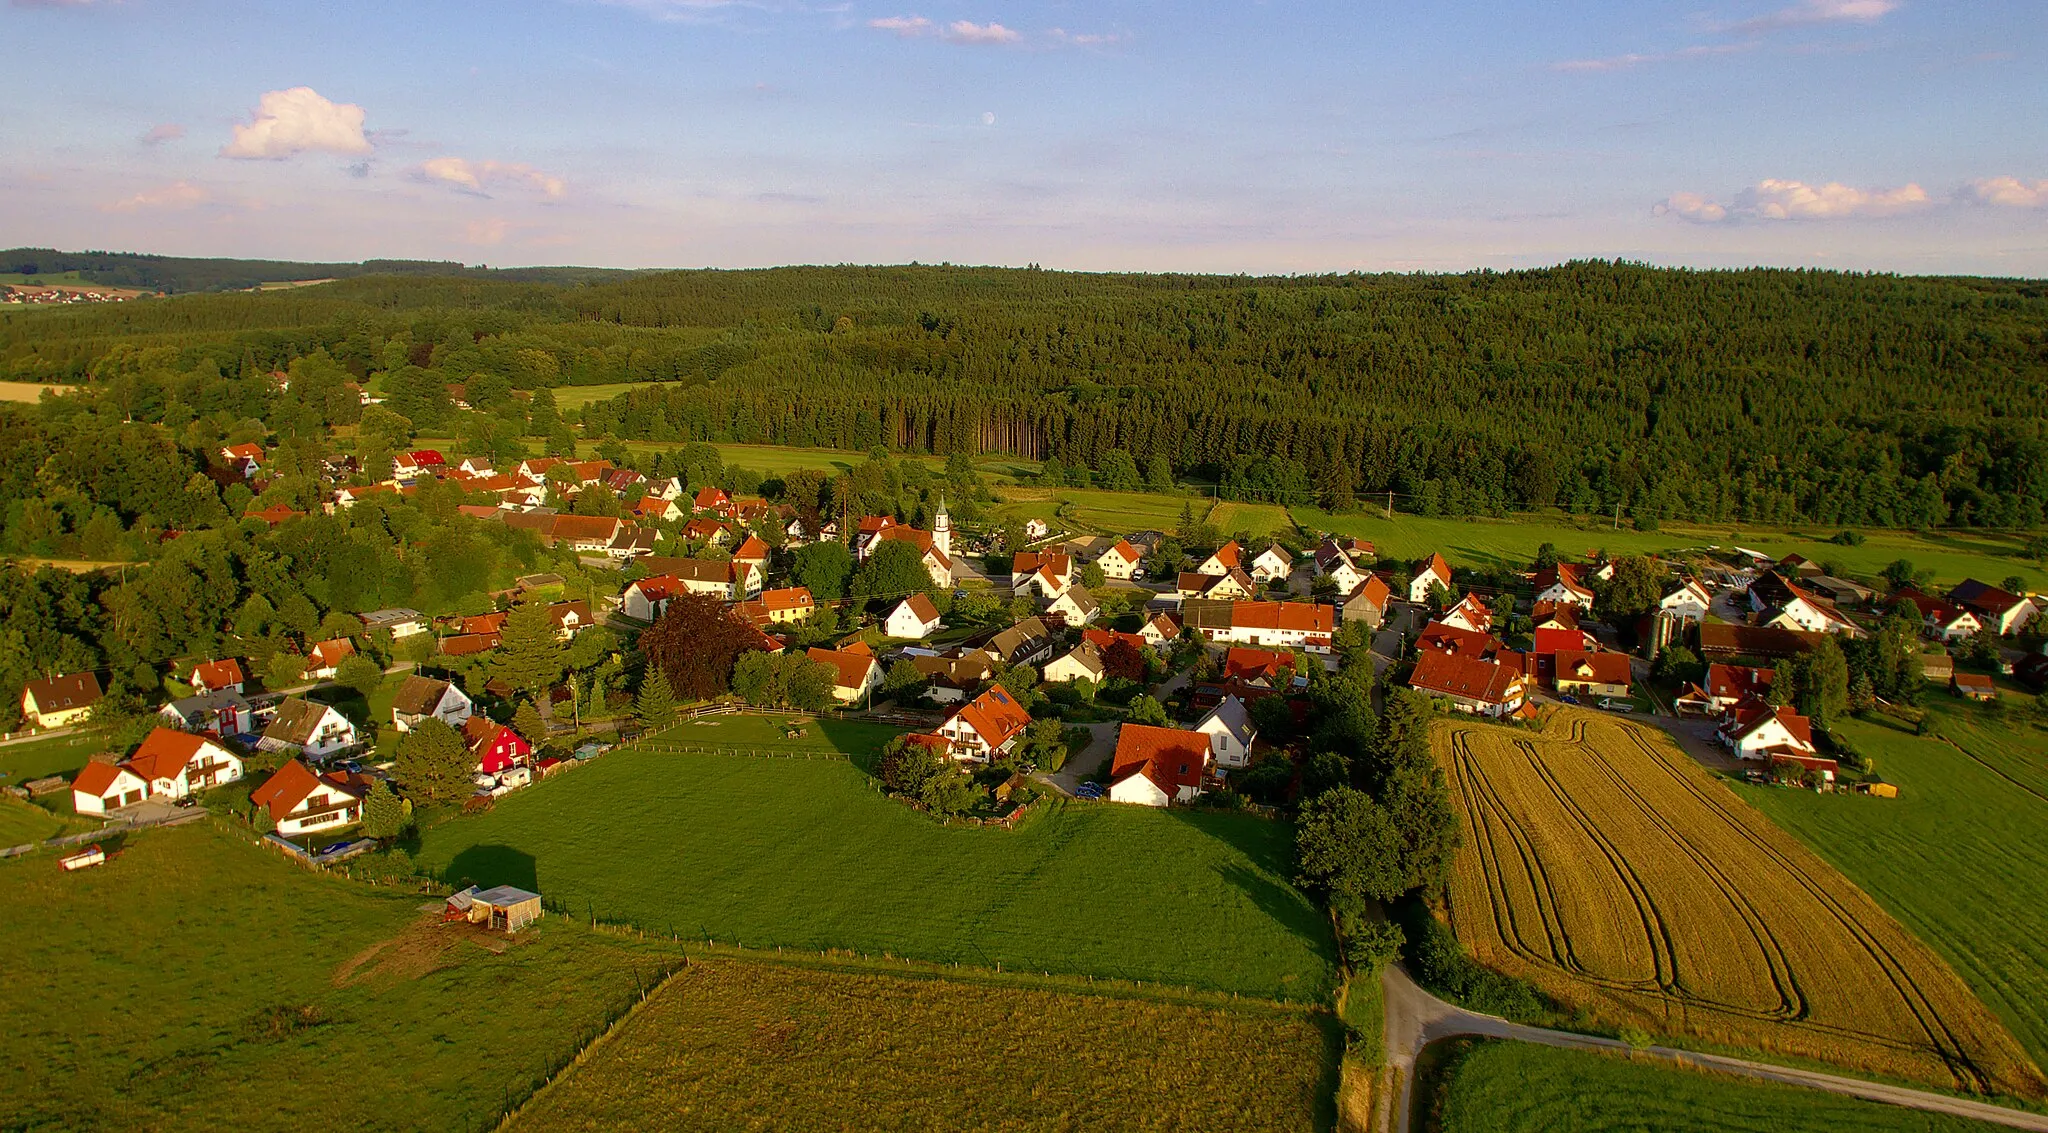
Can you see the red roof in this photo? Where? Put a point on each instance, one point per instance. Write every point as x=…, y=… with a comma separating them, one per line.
x=290, y=784
x=1466, y=677
x=96, y=778
x=787, y=598
x=1374, y=590
x=753, y=549
x=1229, y=555
x=273, y=515
x=1170, y=757
x=1435, y=565
x=849, y=669
x=1738, y=682
x=328, y=654
x=1753, y=714
x=164, y=753
x=1557, y=640
x=1104, y=638
x=1594, y=668
x=1305, y=617
x=1440, y=638
x=218, y=674
x=711, y=497
x=1123, y=548
x=922, y=609
x=427, y=456
x=876, y=524
x=1247, y=664
x=995, y=716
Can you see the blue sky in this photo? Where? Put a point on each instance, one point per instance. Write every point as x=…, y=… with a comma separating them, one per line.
x=1898, y=135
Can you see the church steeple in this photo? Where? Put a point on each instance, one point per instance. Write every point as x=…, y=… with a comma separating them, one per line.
x=942, y=529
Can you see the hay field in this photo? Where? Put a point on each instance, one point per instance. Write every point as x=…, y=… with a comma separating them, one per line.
x=1608, y=869
x=740, y=1045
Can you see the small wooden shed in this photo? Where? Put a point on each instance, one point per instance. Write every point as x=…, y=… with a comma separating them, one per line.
x=504, y=908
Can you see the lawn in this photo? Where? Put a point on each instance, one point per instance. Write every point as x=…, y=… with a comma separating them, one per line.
x=200, y=982
x=1506, y=1087
x=1958, y=857
x=1952, y=556
x=22, y=822
x=1258, y=519
x=818, y=1049
x=1101, y=511
x=766, y=852
x=51, y=755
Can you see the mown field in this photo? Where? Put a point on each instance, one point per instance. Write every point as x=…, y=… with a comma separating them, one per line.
x=199, y=982
x=50, y=755
x=1505, y=1087
x=1952, y=556
x=1608, y=869
x=23, y=391
x=753, y=1046
x=1099, y=511
x=1959, y=856
x=806, y=853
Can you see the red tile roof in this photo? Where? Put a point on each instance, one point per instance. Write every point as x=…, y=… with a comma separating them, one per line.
x=164, y=753
x=1229, y=555
x=96, y=777
x=849, y=669
x=328, y=654
x=1467, y=677
x=995, y=716
x=1302, y=617
x=217, y=674
x=1738, y=682
x=1248, y=664
x=1595, y=668
x=752, y=550
x=1170, y=757
x=922, y=609
x=1437, y=637
x=1104, y=638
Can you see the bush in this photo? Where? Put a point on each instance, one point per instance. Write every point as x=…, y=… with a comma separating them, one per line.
x=1442, y=966
x=1848, y=539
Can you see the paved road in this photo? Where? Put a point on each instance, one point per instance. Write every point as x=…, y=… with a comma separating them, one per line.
x=1416, y=1018
x=1081, y=764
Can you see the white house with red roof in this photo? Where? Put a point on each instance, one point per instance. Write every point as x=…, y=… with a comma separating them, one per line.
x=1234, y=584
x=1471, y=684
x=245, y=460
x=216, y=676
x=915, y=618
x=1279, y=625
x=176, y=764
x=1274, y=564
x=1686, y=599
x=302, y=802
x=1160, y=631
x=1334, y=562
x=1158, y=766
x=855, y=673
x=1564, y=585
x=1047, y=573
x=1730, y=685
x=1597, y=674
x=325, y=658
x=103, y=787
x=2000, y=611
x=1470, y=613
x=1756, y=730
x=1431, y=572
x=713, y=499
x=986, y=726
x=1122, y=561
x=1227, y=558
x=754, y=552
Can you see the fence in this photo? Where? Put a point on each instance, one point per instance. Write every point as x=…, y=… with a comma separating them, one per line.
x=192, y=815
x=757, y=753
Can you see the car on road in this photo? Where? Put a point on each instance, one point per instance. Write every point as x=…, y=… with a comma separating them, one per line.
x=1568, y=698
x=1088, y=791
x=1612, y=705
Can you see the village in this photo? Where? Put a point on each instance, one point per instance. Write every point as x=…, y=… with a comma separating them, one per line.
x=1167, y=663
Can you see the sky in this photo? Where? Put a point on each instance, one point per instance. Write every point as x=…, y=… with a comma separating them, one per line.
x=1227, y=136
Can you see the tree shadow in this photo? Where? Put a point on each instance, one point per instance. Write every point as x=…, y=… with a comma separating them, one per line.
x=1269, y=855
x=859, y=742
x=488, y=866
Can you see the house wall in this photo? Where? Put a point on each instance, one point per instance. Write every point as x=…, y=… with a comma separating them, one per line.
x=1137, y=790
x=126, y=791
x=1118, y=567
x=1224, y=746
x=903, y=623
x=1568, y=684
x=62, y=718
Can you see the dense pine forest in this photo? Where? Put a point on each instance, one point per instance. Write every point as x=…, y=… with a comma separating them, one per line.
x=1754, y=396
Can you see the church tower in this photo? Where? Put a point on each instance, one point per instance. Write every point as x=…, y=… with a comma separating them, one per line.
x=942, y=530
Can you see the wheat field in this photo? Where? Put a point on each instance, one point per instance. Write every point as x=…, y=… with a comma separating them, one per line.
x=1608, y=869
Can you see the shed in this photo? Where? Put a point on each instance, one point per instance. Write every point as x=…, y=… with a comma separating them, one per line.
x=504, y=907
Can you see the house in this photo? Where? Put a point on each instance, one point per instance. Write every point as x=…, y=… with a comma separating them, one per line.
x=1471, y=684
x=1035, y=529
x=421, y=698
x=1840, y=591
x=177, y=764
x=302, y=802
x=273, y=515
x=1334, y=562
x=308, y=727
x=933, y=547
x=2000, y=611
x=711, y=498
x=1555, y=615
x=647, y=599
x=325, y=659
x=1552, y=640
x=1230, y=731
x=1799, y=565
x=1721, y=639
x=654, y=509
x=1104, y=639
x=216, y=676
x=1157, y=766
x=1074, y=607
x=1973, y=686
x=1121, y=561
x=986, y=726
x=1021, y=644
x=223, y=713
x=854, y=673
x=102, y=787
x=1564, y=584
x=1470, y=613
x=584, y=533
x=1230, y=585
x=1730, y=685
x=1082, y=662
x=1756, y=730
x=571, y=617
x=1366, y=602
x=1160, y=631
x=1941, y=620
x=1596, y=674
x=914, y=618
x=1286, y=625
x=400, y=622
x=785, y=604
x=948, y=680
x=59, y=702
x=504, y=908
x=707, y=530
x=1782, y=604
x=1229, y=557
x=1274, y=564
x=1428, y=574
x=1693, y=700
x=753, y=553
x=496, y=747
x=243, y=460
x=1686, y=599
x=1048, y=573
x=1261, y=667
x=1436, y=637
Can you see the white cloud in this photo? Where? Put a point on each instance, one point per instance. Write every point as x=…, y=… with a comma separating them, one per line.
x=2011, y=192
x=163, y=132
x=480, y=176
x=909, y=27
x=1777, y=199
x=1084, y=39
x=1633, y=59
x=177, y=195
x=967, y=31
x=292, y=121
x=1808, y=13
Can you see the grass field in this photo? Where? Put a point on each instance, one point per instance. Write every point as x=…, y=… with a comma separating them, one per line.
x=199, y=982
x=52, y=755
x=1099, y=511
x=1952, y=556
x=1959, y=856
x=1607, y=868
x=1504, y=1087
x=23, y=822
x=1230, y=517
x=805, y=853
x=729, y=1045
x=24, y=391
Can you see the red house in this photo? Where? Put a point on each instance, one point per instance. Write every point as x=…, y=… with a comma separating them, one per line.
x=495, y=745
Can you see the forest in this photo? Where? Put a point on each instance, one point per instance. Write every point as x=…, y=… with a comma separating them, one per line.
x=1756, y=396
x=178, y=274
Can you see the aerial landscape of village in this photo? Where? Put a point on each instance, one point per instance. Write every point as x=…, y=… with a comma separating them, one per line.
x=1006, y=640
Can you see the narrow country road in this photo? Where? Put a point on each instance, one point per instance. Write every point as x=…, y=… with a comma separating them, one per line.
x=1416, y=1018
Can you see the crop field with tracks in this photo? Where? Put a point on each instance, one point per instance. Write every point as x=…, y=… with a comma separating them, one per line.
x=1608, y=869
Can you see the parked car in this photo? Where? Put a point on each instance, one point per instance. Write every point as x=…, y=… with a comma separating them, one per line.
x=1612, y=705
x=1568, y=698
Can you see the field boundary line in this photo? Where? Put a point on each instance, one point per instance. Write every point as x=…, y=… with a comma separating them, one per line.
x=601, y=1038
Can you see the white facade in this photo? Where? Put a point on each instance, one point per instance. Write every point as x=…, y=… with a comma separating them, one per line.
x=1564, y=594
x=326, y=808
x=1120, y=562
x=1139, y=790
x=122, y=788
x=1689, y=602
x=452, y=709
x=1071, y=605
x=211, y=766
x=1272, y=565
x=1771, y=733
x=904, y=622
x=1082, y=662
x=1230, y=732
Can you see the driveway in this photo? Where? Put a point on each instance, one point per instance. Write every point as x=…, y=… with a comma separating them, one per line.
x=1081, y=764
x=1416, y=1018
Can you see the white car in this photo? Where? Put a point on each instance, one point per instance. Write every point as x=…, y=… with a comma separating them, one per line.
x=1612, y=705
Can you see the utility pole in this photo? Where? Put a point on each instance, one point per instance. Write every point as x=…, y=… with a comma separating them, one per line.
x=1617, y=517
x=1390, y=503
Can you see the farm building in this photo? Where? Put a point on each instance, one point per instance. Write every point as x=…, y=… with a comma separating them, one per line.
x=56, y=702
x=1973, y=686
x=1367, y=601
x=504, y=908
x=102, y=787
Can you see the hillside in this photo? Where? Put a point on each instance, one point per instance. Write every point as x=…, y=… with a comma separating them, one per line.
x=177, y=274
